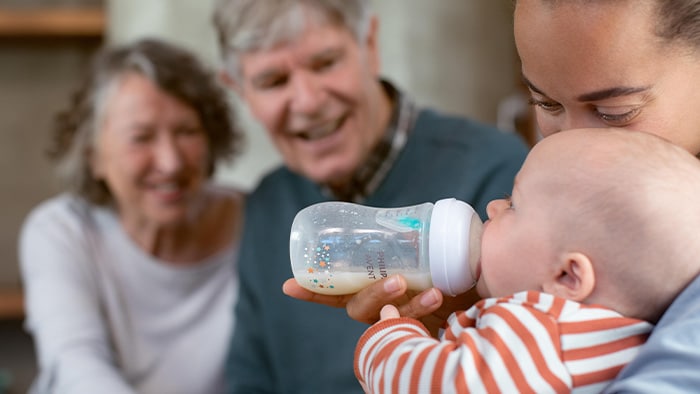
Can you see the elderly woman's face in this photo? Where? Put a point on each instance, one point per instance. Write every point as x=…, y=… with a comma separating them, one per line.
x=595, y=64
x=151, y=151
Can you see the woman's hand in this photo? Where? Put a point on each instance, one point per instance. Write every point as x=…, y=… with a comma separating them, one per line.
x=428, y=306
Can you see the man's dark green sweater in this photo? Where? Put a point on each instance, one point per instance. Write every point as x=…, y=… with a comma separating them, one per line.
x=283, y=345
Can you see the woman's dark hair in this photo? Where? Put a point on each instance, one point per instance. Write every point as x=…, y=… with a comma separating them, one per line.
x=175, y=71
x=679, y=21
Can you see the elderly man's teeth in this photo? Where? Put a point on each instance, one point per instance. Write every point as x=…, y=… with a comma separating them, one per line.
x=323, y=131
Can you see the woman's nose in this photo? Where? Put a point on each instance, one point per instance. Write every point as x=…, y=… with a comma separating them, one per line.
x=168, y=158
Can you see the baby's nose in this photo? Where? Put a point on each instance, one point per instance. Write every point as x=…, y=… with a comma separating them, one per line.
x=494, y=207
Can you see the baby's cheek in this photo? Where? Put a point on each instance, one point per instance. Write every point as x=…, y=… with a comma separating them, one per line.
x=482, y=288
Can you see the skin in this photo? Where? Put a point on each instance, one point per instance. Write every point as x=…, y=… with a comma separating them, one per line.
x=320, y=100
x=602, y=65
x=528, y=242
x=587, y=64
x=152, y=153
x=515, y=258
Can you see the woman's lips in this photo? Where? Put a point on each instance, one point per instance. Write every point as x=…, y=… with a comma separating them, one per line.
x=168, y=192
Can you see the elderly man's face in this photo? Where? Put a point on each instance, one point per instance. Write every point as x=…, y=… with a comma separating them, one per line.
x=319, y=100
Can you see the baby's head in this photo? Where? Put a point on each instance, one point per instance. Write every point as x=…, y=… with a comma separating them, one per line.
x=600, y=216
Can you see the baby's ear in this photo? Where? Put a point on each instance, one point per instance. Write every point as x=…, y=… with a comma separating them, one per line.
x=575, y=278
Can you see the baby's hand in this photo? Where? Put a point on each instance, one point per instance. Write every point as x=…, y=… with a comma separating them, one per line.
x=389, y=312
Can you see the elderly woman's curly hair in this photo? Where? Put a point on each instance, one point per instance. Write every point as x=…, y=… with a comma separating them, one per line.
x=175, y=71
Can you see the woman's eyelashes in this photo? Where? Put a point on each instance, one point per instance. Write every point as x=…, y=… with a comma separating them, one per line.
x=609, y=115
x=546, y=105
x=620, y=119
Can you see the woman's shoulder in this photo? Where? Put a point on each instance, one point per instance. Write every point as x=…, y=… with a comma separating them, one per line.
x=62, y=208
x=59, y=223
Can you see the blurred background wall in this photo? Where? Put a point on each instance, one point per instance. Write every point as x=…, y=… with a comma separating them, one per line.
x=455, y=55
x=44, y=46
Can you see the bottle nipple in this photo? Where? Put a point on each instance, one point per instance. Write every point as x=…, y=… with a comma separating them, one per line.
x=454, y=246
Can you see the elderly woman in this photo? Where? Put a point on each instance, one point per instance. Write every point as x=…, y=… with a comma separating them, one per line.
x=129, y=274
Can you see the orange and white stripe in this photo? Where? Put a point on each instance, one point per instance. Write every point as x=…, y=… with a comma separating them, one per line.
x=529, y=342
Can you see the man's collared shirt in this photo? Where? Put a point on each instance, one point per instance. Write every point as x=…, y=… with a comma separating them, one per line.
x=370, y=175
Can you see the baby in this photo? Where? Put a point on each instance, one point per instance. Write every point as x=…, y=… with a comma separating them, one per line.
x=598, y=237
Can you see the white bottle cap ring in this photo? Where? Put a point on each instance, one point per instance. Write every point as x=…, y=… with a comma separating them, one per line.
x=454, y=245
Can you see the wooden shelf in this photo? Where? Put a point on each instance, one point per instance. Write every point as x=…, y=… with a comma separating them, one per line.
x=11, y=304
x=52, y=22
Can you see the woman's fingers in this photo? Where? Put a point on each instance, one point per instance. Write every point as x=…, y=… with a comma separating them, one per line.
x=422, y=304
x=368, y=302
x=428, y=306
x=291, y=288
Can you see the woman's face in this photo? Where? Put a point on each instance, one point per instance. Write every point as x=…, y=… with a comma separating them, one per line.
x=598, y=64
x=151, y=151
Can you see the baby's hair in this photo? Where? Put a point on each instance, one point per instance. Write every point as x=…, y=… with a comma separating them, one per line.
x=629, y=190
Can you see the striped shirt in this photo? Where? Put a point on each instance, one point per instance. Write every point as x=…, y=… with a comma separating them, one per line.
x=530, y=342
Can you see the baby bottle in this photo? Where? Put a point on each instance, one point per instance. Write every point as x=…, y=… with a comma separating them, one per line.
x=339, y=247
